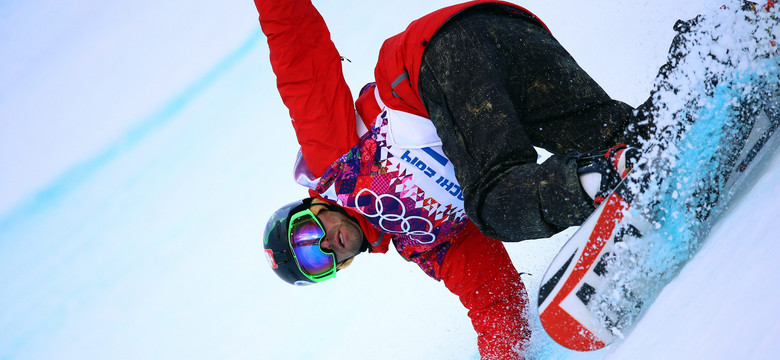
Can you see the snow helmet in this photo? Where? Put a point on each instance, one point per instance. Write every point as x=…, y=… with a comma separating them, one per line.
x=289, y=262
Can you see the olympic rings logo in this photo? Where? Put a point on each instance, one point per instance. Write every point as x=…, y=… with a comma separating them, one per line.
x=396, y=223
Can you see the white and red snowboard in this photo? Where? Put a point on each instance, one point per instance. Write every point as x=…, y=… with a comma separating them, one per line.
x=582, y=305
x=719, y=133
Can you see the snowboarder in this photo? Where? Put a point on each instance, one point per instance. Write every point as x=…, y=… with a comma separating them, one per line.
x=438, y=154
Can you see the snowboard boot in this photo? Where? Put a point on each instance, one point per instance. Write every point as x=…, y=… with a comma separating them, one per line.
x=601, y=171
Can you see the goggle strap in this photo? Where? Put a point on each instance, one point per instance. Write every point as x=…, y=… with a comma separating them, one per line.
x=282, y=257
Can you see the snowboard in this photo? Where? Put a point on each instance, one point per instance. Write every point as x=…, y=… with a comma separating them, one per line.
x=582, y=267
x=583, y=302
x=712, y=148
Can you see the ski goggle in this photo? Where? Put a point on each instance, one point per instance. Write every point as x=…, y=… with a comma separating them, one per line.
x=305, y=233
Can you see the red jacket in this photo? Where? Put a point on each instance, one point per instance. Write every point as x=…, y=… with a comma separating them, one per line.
x=309, y=78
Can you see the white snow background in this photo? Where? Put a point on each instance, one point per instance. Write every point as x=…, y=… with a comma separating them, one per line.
x=143, y=146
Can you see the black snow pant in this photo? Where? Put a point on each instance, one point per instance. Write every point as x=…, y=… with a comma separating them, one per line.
x=496, y=84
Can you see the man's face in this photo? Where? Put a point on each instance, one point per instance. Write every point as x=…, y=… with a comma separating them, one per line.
x=343, y=235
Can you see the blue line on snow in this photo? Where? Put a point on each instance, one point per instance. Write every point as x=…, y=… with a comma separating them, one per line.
x=76, y=175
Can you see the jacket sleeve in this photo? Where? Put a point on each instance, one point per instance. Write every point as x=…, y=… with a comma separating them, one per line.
x=310, y=80
x=479, y=271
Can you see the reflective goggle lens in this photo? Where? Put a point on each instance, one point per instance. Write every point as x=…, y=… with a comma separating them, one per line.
x=305, y=236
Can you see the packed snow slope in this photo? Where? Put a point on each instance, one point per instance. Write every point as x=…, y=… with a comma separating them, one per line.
x=143, y=145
